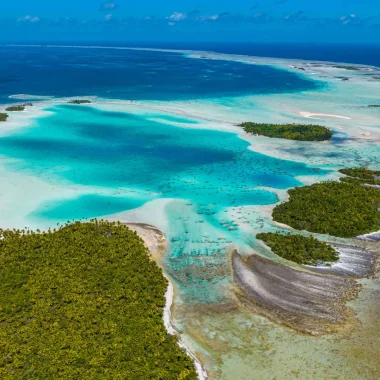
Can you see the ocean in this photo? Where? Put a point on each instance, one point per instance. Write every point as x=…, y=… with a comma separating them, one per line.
x=161, y=144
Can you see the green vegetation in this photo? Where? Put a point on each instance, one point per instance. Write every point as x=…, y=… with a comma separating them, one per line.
x=84, y=302
x=335, y=208
x=15, y=108
x=3, y=116
x=351, y=68
x=361, y=176
x=298, y=248
x=374, y=106
x=79, y=101
x=302, y=132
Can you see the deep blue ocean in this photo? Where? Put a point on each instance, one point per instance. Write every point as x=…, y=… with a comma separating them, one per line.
x=134, y=75
x=366, y=54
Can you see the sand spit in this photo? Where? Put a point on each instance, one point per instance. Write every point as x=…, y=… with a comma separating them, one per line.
x=154, y=239
x=310, y=115
x=353, y=262
x=307, y=302
x=157, y=243
x=373, y=237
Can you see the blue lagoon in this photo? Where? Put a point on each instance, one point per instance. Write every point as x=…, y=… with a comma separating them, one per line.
x=160, y=145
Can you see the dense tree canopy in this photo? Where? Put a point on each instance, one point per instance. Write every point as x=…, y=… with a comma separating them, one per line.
x=15, y=108
x=361, y=176
x=84, y=302
x=300, y=249
x=3, y=116
x=335, y=208
x=79, y=101
x=302, y=132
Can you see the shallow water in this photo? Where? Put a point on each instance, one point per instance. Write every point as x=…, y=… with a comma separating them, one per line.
x=126, y=160
x=181, y=166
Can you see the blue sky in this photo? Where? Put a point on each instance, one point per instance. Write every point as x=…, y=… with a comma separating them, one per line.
x=192, y=20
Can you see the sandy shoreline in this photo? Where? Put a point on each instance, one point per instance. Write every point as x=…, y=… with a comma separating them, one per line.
x=156, y=242
x=353, y=122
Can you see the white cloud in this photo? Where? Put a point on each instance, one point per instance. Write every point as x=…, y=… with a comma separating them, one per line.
x=176, y=16
x=171, y=23
x=28, y=18
x=205, y=18
x=109, y=5
x=108, y=17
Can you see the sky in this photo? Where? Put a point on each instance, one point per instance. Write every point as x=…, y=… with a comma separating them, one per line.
x=355, y=21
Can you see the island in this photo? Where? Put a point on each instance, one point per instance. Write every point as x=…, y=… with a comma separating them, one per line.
x=15, y=108
x=3, y=116
x=79, y=101
x=340, y=209
x=347, y=67
x=361, y=176
x=374, y=105
x=300, y=249
x=84, y=301
x=300, y=132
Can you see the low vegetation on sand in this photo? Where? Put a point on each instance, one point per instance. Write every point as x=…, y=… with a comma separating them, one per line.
x=336, y=208
x=344, y=67
x=374, y=106
x=84, y=302
x=361, y=176
x=3, y=116
x=298, y=248
x=301, y=132
x=79, y=101
x=15, y=108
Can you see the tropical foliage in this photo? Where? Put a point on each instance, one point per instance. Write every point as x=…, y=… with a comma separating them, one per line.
x=79, y=101
x=84, y=302
x=3, y=116
x=298, y=248
x=361, y=176
x=302, y=132
x=335, y=208
x=15, y=108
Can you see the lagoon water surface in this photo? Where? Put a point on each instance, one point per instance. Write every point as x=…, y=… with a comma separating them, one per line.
x=174, y=159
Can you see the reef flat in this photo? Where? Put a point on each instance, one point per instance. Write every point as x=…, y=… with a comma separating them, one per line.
x=310, y=303
x=181, y=163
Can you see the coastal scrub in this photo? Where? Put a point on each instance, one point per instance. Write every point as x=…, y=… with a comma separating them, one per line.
x=300, y=132
x=79, y=101
x=15, y=108
x=361, y=176
x=3, y=116
x=336, y=208
x=298, y=248
x=84, y=302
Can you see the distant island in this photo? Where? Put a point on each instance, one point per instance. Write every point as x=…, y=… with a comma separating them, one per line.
x=298, y=248
x=79, y=101
x=300, y=132
x=3, y=116
x=343, y=209
x=347, y=67
x=374, y=106
x=84, y=301
x=15, y=108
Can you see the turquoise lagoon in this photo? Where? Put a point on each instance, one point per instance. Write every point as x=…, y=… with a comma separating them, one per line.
x=124, y=160
x=208, y=190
